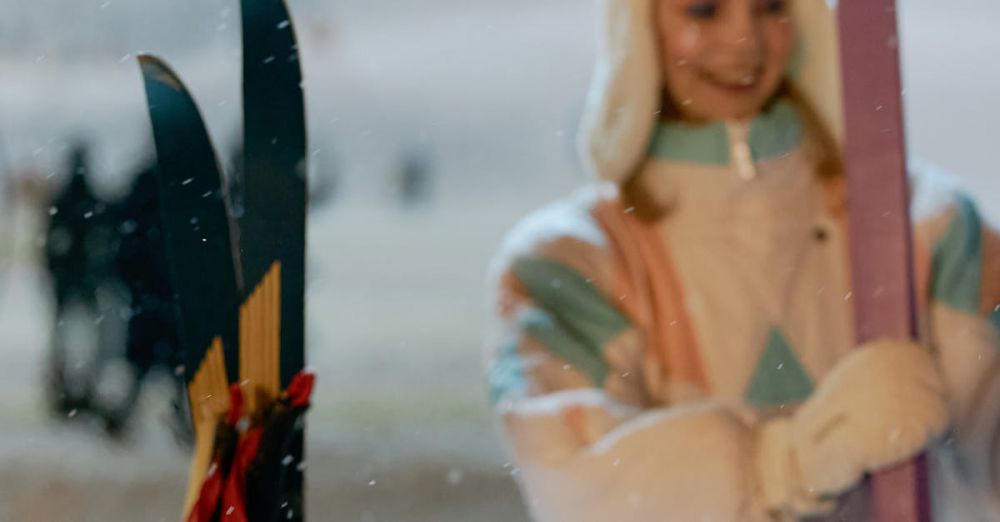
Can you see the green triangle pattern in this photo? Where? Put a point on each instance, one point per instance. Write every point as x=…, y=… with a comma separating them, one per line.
x=780, y=378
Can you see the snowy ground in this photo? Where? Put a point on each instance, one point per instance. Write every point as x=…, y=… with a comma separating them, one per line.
x=400, y=429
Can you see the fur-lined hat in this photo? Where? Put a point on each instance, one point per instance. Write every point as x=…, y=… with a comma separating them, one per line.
x=623, y=104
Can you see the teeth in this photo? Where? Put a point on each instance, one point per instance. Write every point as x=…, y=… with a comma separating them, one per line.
x=748, y=80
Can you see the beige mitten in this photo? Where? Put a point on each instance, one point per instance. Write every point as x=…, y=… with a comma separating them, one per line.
x=881, y=405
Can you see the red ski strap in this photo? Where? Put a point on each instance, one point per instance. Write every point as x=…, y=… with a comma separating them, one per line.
x=208, y=498
x=235, y=412
x=300, y=389
x=234, y=496
x=216, y=482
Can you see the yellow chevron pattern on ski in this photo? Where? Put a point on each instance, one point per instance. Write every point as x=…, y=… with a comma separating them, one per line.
x=208, y=394
x=260, y=341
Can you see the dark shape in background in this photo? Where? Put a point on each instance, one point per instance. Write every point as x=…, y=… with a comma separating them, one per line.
x=414, y=179
x=115, y=321
x=78, y=247
x=141, y=263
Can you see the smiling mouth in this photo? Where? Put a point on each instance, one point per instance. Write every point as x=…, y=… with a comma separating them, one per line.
x=740, y=85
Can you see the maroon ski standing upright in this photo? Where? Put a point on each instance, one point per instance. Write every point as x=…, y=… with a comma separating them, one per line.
x=879, y=219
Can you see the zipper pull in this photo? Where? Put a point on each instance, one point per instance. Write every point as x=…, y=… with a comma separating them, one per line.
x=739, y=148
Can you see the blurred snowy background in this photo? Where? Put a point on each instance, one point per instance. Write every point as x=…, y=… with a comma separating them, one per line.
x=481, y=97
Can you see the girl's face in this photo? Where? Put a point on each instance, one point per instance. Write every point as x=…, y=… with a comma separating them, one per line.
x=723, y=59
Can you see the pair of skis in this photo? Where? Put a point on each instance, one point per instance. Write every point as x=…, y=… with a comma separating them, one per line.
x=879, y=218
x=239, y=271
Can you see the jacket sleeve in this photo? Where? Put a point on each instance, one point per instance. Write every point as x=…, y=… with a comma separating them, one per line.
x=963, y=289
x=565, y=370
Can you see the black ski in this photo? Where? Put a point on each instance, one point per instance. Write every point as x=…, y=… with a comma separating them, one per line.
x=197, y=223
x=273, y=224
x=198, y=233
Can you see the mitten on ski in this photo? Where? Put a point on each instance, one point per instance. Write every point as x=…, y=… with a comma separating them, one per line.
x=881, y=405
x=249, y=466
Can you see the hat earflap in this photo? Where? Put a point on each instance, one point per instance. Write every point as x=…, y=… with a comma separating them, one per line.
x=624, y=99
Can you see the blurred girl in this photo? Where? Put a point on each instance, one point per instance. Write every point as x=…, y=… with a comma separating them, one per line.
x=675, y=341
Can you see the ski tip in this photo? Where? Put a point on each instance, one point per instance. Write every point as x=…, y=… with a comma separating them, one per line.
x=150, y=60
x=262, y=20
x=155, y=69
x=249, y=7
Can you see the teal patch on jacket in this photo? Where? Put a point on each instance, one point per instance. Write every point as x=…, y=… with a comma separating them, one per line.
x=579, y=323
x=563, y=344
x=780, y=378
x=776, y=132
x=506, y=376
x=995, y=318
x=956, y=268
x=772, y=134
x=684, y=143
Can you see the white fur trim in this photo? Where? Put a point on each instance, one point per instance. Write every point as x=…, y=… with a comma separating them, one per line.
x=818, y=78
x=624, y=97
